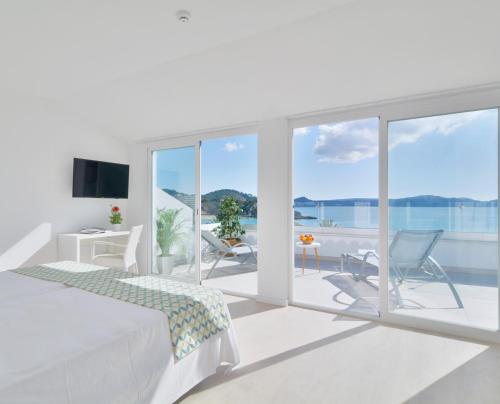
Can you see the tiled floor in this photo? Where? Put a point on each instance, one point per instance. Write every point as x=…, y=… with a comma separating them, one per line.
x=293, y=355
x=421, y=298
x=331, y=288
x=231, y=276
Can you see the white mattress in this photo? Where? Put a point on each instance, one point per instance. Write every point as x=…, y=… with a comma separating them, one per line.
x=65, y=345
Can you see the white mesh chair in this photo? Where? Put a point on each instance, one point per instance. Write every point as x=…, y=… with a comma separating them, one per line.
x=409, y=257
x=222, y=249
x=125, y=258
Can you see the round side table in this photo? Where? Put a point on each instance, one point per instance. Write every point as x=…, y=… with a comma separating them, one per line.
x=313, y=246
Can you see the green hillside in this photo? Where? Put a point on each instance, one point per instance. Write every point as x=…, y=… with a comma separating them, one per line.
x=210, y=202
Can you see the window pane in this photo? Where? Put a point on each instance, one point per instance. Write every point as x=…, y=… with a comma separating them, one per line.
x=174, y=188
x=336, y=202
x=443, y=217
x=229, y=181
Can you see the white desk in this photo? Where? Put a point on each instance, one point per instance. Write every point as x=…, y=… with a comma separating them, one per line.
x=70, y=245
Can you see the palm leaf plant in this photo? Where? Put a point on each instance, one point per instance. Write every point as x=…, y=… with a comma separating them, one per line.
x=169, y=229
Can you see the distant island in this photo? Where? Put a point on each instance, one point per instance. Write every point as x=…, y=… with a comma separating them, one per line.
x=210, y=201
x=423, y=201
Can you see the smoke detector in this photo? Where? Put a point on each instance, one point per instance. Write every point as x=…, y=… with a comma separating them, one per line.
x=183, y=15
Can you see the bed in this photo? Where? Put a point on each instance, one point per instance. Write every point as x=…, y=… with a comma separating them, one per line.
x=63, y=344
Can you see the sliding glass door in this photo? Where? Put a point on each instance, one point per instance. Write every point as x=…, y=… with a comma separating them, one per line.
x=203, y=217
x=335, y=206
x=229, y=213
x=398, y=216
x=174, y=219
x=443, y=218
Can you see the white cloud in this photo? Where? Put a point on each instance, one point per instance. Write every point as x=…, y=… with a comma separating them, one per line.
x=301, y=131
x=233, y=146
x=410, y=131
x=347, y=142
x=350, y=142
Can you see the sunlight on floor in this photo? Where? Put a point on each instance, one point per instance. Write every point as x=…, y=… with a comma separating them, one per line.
x=330, y=288
x=293, y=355
x=232, y=277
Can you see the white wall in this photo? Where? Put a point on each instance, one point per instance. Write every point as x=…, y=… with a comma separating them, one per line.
x=138, y=198
x=37, y=146
x=272, y=219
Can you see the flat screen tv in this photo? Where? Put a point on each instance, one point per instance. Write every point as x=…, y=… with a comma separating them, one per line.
x=97, y=179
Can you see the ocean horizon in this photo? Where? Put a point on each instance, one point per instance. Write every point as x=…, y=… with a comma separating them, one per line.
x=466, y=219
x=450, y=219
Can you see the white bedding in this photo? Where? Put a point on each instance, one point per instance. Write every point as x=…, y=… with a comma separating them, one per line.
x=65, y=345
x=14, y=286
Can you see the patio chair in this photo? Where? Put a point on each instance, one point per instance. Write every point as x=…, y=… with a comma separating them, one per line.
x=222, y=249
x=409, y=257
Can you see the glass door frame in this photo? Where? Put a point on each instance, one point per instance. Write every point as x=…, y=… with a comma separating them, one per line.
x=315, y=120
x=442, y=103
x=467, y=102
x=187, y=140
x=176, y=143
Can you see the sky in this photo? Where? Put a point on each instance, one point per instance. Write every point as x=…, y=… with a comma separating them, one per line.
x=226, y=163
x=451, y=155
x=229, y=163
x=175, y=169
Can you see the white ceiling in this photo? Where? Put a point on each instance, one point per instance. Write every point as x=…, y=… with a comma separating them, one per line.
x=52, y=48
x=133, y=69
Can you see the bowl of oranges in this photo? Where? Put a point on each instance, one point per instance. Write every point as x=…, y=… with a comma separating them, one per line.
x=306, y=238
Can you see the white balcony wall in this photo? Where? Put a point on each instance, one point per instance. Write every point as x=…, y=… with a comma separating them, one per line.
x=251, y=234
x=475, y=251
x=471, y=251
x=163, y=200
x=335, y=241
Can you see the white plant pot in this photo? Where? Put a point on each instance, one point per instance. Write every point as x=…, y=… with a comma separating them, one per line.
x=116, y=227
x=166, y=264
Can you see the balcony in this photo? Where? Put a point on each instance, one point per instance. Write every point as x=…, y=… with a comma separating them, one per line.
x=469, y=259
x=229, y=274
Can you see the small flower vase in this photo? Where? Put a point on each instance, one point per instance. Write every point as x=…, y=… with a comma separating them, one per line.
x=116, y=226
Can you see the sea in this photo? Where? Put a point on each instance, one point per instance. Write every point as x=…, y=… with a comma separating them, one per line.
x=450, y=219
x=244, y=220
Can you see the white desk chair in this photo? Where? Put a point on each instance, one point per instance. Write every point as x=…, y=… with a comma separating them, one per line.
x=125, y=259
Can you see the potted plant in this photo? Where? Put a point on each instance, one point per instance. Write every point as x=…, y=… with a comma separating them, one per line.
x=115, y=218
x=230, y=228
x=169, y=232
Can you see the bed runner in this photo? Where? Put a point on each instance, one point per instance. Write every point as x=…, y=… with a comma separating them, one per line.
x=195, y=313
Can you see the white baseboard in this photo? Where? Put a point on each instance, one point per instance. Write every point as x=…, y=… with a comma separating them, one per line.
x=272, y=300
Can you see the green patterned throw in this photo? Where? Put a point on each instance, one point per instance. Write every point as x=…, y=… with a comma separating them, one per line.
x=195, y=313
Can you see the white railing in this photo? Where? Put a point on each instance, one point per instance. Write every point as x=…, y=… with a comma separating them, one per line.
x=465, y=251
x=457, y=250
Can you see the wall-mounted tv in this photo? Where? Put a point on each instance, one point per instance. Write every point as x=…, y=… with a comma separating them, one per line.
x=97, y=179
